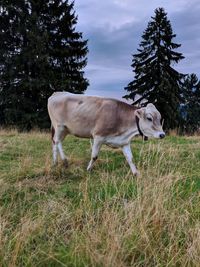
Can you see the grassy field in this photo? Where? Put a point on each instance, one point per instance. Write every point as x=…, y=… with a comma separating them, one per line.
x=68, y=217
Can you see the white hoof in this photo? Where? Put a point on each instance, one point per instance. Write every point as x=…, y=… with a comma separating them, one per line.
x=89, y=169
x=136, y=173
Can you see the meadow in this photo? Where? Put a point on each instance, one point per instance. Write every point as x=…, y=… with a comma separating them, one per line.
x=105, y=218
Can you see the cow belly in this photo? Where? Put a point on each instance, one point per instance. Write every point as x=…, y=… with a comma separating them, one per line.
x=79, y=130
x=81, y=133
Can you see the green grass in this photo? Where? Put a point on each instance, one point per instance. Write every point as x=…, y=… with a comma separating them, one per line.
x=69, y=217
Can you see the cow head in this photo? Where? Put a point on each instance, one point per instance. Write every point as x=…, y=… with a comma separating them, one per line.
x=149, y=121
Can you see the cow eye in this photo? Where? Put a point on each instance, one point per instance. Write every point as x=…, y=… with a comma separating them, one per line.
x=149, y=118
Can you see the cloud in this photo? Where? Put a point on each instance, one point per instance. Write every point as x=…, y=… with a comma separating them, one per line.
x=114, y=30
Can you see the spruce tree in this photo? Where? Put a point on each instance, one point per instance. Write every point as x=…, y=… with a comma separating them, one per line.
x=190, y=108
x=155, y=78
x=41, y=52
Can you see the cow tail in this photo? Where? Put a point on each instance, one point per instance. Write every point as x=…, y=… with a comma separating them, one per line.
x=52, y=133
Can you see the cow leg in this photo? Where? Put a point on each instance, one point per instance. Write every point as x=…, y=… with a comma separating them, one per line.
x=59, y=135
x=128, y=155
x=95, y=151
x=91, y=143
x=55, y=152
x=62, y=155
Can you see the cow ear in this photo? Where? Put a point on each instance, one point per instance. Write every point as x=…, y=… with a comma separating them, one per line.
x=150, y=105
x=140, y=112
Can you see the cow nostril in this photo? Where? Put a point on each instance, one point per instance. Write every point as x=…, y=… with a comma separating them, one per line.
x=162, y=135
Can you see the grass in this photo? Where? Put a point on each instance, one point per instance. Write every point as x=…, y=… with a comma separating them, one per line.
x=68, y=217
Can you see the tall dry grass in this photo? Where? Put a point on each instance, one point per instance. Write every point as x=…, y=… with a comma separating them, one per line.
x=57, y=217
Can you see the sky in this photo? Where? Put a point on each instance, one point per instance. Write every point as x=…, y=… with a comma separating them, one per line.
x=114, y=28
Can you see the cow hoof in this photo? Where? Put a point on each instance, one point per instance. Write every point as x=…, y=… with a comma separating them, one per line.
x=65, y=163
x=55, y=164
x=136, y=173
x=89, y=169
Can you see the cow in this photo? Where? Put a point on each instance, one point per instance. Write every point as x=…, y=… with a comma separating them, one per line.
x=105, y=120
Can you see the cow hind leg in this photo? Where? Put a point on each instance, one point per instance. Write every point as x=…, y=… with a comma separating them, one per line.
x=59, y=135
x=95, y=151
x=62, y=155
x=54, y=146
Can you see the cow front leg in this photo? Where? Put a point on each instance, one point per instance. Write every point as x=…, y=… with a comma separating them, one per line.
x=129, y=157
x=95, y=151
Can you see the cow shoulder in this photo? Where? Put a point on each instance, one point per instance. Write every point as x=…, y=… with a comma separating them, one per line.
x=114, y=118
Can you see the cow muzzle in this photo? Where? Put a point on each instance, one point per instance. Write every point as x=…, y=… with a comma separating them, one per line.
x=159, y=135
x=162, y=135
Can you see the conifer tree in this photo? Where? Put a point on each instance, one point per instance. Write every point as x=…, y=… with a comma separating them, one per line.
x=190, y=108
x=41, y=52
x=155, y=78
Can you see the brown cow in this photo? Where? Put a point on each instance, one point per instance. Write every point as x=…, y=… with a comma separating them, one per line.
x=106, y=121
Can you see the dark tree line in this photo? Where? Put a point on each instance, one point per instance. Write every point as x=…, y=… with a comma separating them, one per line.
x=40, y=52
x=176, y=95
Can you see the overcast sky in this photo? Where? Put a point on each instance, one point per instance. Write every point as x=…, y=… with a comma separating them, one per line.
x=114, y=28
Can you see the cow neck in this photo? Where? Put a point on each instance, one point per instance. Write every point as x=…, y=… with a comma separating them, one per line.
x=139, y=130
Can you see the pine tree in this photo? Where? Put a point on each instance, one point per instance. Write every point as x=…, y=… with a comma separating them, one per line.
x=41, y=52
x=190, y=108
x=155, y=78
